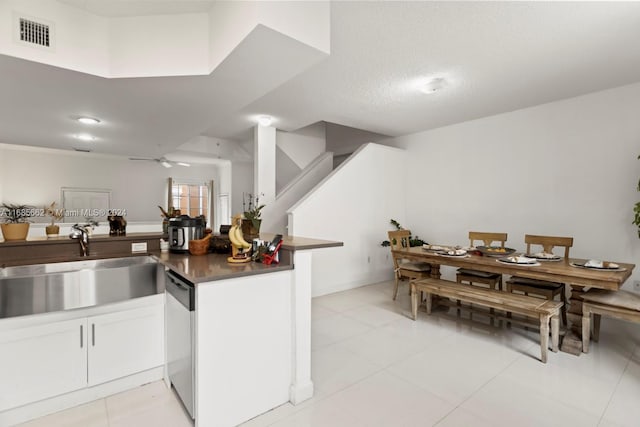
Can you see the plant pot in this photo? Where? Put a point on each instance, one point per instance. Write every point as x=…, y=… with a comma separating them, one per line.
x=52, y=230
x=15, y=231
x=251, y=229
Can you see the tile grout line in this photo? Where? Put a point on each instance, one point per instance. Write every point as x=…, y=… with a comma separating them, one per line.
x=626, y=367
x=515, y=359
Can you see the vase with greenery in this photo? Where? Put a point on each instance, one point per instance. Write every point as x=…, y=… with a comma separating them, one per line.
x=413, y=240
x=252, y=214
x=15, y=220
x=56, y=214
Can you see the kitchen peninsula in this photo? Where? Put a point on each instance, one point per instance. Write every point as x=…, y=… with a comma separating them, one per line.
x=251, y=336
x=252, y=331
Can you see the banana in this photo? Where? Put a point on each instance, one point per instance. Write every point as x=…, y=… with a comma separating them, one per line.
x=240, y=238
x=232, y=237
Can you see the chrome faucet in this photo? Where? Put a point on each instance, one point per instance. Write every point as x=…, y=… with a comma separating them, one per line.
x=81, y=233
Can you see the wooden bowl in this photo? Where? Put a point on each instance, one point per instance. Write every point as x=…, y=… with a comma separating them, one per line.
x=199, y=247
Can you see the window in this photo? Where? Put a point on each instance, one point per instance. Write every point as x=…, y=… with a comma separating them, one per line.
x=192, y=199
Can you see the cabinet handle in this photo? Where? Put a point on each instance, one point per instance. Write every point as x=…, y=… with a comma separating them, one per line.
x=81, y=337
x=93, y=334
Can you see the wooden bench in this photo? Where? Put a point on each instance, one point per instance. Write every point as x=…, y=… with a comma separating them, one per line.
x=621, y=305
x=545, y=311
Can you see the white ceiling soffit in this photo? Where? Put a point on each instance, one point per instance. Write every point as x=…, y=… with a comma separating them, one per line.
x=142, y=116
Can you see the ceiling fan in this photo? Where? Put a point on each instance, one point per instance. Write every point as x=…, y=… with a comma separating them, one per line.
x=162, y=160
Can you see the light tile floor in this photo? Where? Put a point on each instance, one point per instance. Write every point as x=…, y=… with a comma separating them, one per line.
x=373, y=366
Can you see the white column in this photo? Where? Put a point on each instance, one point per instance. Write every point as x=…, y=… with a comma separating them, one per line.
x=264, y=163
x=301, y=384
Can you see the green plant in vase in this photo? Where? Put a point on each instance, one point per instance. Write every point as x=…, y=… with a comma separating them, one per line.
x=252, y=214
x=15, y=220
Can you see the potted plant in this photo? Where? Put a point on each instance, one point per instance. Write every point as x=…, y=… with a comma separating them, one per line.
x=56, y=214
x=413, y=240
x=15, y=225
x=252, y=215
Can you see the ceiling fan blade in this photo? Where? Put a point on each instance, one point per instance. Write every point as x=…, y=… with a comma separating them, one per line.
x=144, y=158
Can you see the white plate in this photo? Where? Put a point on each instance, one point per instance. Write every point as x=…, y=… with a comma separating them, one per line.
x=464, y=255
x=531, y=263
x=588, y=267
x=544, y=258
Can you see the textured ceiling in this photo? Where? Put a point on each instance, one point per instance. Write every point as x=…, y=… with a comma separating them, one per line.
x=499, y=56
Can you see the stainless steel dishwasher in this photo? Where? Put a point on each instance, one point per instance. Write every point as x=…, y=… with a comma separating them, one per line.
x=180, y=320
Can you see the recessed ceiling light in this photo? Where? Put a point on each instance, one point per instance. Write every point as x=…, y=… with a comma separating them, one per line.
x=88, y=120
x=265, y=120
x=165, y=164
x=183, y=164
x=434, y=85
x=85, y=137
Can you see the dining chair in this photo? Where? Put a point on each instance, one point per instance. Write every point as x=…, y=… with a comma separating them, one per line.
x=493, y=280
x=403, y=268
x=542, y=288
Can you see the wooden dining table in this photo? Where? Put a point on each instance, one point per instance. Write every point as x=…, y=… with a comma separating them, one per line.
x=555, y=271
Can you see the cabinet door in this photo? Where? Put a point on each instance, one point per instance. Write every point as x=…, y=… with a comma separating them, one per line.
x=125, y=343
x=42, y=361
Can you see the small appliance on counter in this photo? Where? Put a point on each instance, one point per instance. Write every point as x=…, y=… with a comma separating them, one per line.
x=183, y=229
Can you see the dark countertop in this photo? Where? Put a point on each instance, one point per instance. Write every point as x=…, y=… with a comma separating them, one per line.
x=197, y=269
x=295, y=243
x=288, y=242
x=64, y=239
x=211, y=267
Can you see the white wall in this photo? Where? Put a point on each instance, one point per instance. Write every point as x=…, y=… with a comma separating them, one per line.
x=274, y=215
x=231, y=22
x=304, y=145
x=353, y=205
x=345, y=140
x=170, y=45
x=34, y=176
x=80, y=38
x=567, y=168
x=178, y=44
x=241, y=182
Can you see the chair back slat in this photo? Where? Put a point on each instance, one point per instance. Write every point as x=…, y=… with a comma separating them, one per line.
x=548, y=243
x=487, y=238
x=399, y=239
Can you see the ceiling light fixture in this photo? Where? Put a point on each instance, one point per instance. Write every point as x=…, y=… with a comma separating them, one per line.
x=184, y=164
x=88, y=120
x=166, y=164
x=85, y=137
x=265, y=120
x=434, y=85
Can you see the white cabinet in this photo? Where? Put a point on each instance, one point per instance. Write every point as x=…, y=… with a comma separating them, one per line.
x=42, y=361
x=124, y=343
x=46, y=360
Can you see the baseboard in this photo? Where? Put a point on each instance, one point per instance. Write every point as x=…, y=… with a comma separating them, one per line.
x=369, y=279
x=69, y=400
x=300, y=392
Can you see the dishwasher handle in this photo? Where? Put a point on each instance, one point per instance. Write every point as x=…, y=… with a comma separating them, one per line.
x=181, y=289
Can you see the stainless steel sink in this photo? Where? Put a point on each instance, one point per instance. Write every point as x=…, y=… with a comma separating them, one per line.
x=43, y=288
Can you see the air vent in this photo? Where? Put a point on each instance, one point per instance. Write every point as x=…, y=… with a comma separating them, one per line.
x=34, y=32
x=82, y=150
